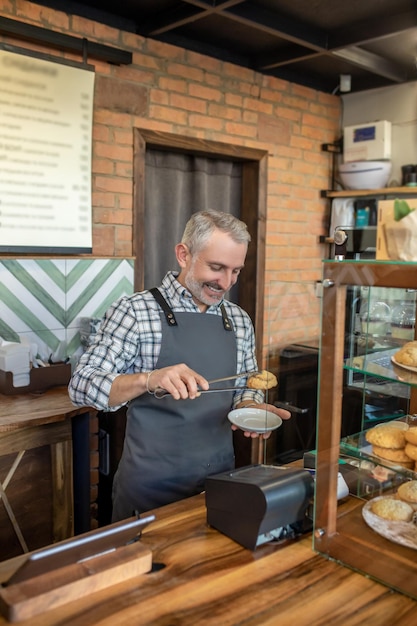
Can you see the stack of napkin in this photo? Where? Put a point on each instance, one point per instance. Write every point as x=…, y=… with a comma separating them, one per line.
x=15, y=358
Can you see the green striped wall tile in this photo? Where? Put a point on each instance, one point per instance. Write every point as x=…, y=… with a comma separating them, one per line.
x=43, y=300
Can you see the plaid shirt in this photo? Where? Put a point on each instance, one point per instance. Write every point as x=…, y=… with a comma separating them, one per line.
x=129, y=341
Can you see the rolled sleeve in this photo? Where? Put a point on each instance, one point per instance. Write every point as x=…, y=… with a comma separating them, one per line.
x=114, y=352
x=89, y=388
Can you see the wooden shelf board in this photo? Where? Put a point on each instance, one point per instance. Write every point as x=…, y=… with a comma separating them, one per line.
x=386, y=191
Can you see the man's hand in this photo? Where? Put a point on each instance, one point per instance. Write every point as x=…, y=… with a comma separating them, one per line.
x=178, y=380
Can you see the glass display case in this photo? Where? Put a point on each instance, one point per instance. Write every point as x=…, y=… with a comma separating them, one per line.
x=291, y=341
x=368, y=315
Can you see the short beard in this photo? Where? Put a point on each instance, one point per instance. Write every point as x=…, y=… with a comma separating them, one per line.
x=197, y=290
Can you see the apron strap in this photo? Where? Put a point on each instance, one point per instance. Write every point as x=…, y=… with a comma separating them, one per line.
x=226, y=322
x=170, y=317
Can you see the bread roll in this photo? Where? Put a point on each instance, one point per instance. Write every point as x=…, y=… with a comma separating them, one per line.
x=411, y=451
x=408, y=492
x=392, y=509
x=386, y=437
x=407, y=355
x=395, y=455
x=411, y=435
x=262, y=380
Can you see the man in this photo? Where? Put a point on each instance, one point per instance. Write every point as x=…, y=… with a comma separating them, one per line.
x=175, y=338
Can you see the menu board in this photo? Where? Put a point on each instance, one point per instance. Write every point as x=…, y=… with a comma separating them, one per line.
x=46, y=111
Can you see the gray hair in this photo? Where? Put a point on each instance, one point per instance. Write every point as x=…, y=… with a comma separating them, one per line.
x=201, y=225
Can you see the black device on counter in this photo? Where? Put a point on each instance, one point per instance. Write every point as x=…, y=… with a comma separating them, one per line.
x=260, y=503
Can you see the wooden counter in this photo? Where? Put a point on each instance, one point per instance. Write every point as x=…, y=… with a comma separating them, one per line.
x=35, y=409
x=44, y=479
x=211, y=580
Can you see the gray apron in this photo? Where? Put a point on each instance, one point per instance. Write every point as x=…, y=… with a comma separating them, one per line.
x=171, y=446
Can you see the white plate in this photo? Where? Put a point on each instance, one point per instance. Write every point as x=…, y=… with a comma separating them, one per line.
x=406, y=367
x=403, y=533
x=254, y=420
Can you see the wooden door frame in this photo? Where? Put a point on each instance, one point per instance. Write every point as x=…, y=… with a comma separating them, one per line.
x=253, y=210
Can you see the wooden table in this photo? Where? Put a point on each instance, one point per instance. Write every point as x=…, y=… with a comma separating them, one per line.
x=209, y=579
x=37, y=432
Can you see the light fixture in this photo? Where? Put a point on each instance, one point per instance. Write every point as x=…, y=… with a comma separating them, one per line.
x=345, y=83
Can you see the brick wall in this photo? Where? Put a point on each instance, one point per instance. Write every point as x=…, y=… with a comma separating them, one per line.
x=173, y=90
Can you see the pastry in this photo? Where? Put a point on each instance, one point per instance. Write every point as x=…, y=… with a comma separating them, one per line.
x=407, y=492
x=364, y=341
x=262, y=380
x=411, y=435
x=411, y=451
x=395, y=455
x=407, y=355
x=386, y=437
x=393, y=509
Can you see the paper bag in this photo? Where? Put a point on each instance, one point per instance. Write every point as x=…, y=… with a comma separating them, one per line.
x=399, y=234
x=401, y=238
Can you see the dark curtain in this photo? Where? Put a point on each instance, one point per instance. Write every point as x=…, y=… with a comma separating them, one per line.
x=176, y=186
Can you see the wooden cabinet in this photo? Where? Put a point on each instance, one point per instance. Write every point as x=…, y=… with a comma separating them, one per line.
x=44, y=470
x=348, y=538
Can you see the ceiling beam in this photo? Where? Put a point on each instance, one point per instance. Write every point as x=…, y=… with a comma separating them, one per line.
x=285, y=57
x=368, y=31
x=371, y=62
x=278, y=24
x=181, y=15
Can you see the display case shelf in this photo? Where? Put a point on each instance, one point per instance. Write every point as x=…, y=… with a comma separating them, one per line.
x=381, y=365
x=358, y=447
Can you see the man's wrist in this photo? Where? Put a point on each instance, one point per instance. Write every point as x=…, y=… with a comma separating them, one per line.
x=247, y=404
x=148, y=388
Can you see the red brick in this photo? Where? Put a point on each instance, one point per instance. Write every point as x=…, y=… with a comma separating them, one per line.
x=120, y=96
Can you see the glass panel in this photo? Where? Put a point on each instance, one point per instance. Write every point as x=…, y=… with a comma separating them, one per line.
x=368, y=315
x=379, y=321
x=292, y=348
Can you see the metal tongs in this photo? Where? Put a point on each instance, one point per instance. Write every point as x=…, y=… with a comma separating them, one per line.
x=161, y=393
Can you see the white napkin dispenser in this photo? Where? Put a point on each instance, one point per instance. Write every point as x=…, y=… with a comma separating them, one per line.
x=259, y=503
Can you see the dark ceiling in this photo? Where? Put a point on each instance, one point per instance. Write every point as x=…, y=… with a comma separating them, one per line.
x=308, y=42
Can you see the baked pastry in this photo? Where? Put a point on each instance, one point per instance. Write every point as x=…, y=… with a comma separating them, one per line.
x=365, y=341
x=411, y=435
x=411, y=451
x=262, y=380
x=407, y=492
x=395, y=455
x=386, y=437
x=407, y=355
x=393, y=509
